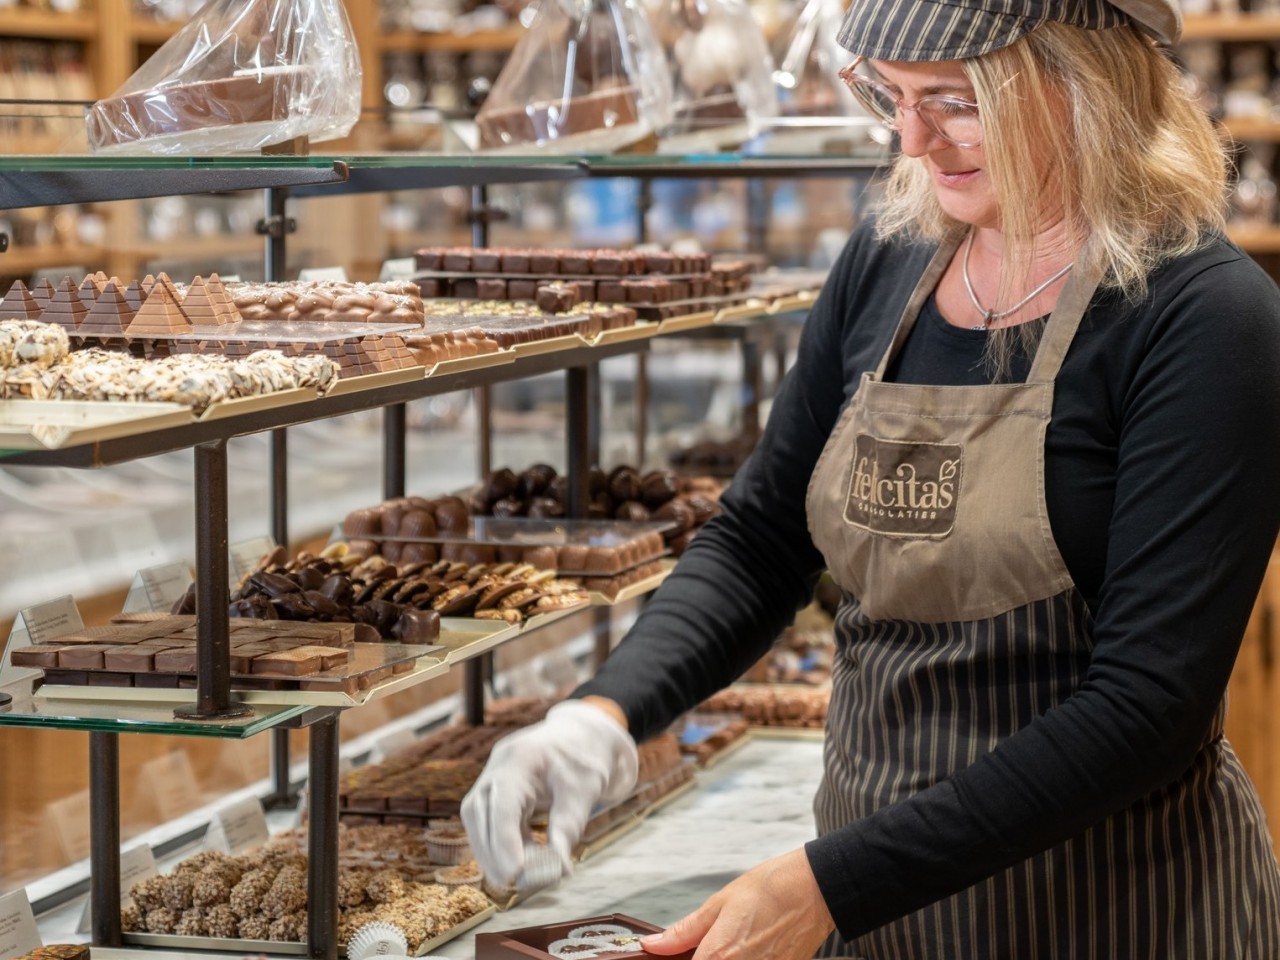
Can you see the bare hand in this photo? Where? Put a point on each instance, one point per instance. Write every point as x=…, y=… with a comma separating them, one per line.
x=772, y=912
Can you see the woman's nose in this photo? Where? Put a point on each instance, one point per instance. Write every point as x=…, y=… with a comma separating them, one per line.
x=916, y=137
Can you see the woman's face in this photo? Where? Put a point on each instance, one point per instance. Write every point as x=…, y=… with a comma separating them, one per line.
x=958, y=173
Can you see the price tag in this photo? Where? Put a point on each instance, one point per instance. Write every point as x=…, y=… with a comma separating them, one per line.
x=244, y=825
x=170, y=782
x=402, y=268
x=18, y=931
x=229, y=277
x=38, y=624
x=137, y=863
x=323, y=273
x=158, y=588
x=247, y=554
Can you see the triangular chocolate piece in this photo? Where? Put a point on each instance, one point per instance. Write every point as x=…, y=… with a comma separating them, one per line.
x=160, y=313
x=19, y=304
x=65, y=307
x=134, y=295
x=197, y=306
x=109, y=316
x=88, y=291
x=43, y=292
x=220, y=297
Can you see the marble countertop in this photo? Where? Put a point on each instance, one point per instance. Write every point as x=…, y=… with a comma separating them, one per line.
x=755, y=804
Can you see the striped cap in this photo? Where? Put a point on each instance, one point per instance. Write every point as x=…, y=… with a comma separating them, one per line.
x=916, y=30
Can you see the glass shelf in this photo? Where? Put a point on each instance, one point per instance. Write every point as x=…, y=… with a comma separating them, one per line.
x=154, y=718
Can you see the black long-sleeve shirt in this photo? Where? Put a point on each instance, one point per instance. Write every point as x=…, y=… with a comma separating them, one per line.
x=1160, y=465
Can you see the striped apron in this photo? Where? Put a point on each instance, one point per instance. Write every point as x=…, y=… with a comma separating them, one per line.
x=928, y=505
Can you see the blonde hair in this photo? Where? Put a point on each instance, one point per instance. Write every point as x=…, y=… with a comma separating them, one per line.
x=1102, y=118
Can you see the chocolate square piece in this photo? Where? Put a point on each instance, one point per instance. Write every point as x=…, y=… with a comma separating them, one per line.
x=85, y=656
x=542, y=261
x=72, y=678
x=609, y=263
x=41, y=656
x=486, y=261
x=557, y=297
x=330, y=657
x=134, y=658
x=429, y=287
x=515, y=261
x=374, y=677
x=179, y=660
x=491, y=289
x=465, y=289
x=575, y=262
x=456, y=260
x=428, y=258
x=293, y=663
x=522, y=289
x=164, y=681
x=104, y=679
x=611, y=291
x=586, y=290
x=640, y=291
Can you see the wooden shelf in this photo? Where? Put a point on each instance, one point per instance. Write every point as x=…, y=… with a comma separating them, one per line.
x=47, y=26
x=23, y=260
x=1246, y=129
x=501, y=41
x=153, y=31
x=1256, y=239
x=1231, y=27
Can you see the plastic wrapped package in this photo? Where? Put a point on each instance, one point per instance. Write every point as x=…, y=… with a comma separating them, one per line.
x=588, y=76
x=814, y=103
x=721, y=69
x=239, y=76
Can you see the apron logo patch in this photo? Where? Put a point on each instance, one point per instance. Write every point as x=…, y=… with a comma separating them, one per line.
x=903, y=489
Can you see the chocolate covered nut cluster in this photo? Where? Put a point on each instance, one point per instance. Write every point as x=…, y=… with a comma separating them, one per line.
x=262, y=895
x=197, y=381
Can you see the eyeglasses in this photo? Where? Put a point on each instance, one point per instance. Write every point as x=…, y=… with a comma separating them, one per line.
x=952, y=118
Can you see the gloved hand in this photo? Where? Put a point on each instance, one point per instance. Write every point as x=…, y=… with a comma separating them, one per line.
x=577, y=757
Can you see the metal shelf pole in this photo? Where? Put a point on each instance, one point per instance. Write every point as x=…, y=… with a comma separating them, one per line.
x=322, y=841
x=213, y=643
x=104, y=837
x=475, y=669
x=394, y=421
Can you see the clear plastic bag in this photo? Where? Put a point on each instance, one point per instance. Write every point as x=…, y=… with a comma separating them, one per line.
x=239, y=76
x=817, y=113
x=721, y=69
x=588, y=76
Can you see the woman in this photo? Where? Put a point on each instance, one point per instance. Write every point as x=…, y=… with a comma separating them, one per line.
x=1049, y=531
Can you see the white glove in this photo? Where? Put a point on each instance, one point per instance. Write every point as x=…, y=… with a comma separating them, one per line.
x=577, y=757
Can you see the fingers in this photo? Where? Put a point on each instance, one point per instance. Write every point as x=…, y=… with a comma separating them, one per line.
x=570, y=810
x=684, y=934
x=494, y=814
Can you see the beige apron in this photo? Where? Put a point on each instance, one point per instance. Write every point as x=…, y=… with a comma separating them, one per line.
x=960, y=625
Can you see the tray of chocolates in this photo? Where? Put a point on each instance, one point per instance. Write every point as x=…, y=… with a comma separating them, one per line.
x=581, y=547
x=144, y=656
x=610, y=935
x=256, y=903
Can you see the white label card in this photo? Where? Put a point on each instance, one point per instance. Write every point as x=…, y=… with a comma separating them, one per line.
x=244, y=825
x=137, y=863
x=323, y=273
x=18, y=931
x=247, y=554
x=158, y=588
x=52, y=619
x=399, y=269
x=38, y=624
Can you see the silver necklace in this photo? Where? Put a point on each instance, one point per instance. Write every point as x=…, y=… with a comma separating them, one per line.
x=989, y=315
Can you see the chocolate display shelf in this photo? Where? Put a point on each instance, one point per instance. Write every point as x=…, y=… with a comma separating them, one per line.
x=639, y=588
x=374, y=670
x=52, y=424
x=214, y=947
x=553, y=276
x=467, y=364
x=375, y=381
x=610, y=826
